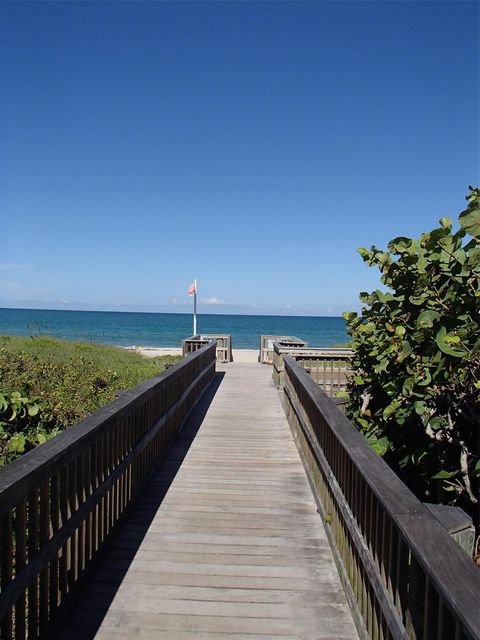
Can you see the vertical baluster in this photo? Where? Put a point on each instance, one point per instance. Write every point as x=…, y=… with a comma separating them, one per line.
x=401, y=579
x=355, y=576
x=112, y=490
x=385, y=545
x=95, y=511
x=377, y=615
x=430, y=611
x=128, y=448
x=33, y=539
x=368, y=605
x=121, y=455
x=332, y=378
x=65, y=554
x=105, y=473
x=363, y=593
x=87, y=482
x=118, y=459
x=44, y=537
x=72, y=501
x=54, y=518
x=101, y=504
x=378, y=535
x=20, y=562
x=416, y=598
x=373, y=525
x=6, y=568
x=446, y=622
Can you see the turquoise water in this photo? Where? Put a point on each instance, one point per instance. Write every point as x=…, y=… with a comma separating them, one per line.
x=167, y=329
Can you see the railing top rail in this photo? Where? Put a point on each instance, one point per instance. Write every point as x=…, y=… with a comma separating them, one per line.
x=321, y=352
x=21, y=476
x=454, y=575
x=278, y=338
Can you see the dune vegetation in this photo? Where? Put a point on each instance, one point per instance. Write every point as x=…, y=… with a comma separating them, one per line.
x=47, y=385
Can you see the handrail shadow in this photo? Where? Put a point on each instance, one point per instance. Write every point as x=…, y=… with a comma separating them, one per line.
x=148, y=503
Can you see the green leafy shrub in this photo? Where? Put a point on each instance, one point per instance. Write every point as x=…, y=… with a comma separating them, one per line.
x=24, y=424
x=416, y=390
x=46, y=385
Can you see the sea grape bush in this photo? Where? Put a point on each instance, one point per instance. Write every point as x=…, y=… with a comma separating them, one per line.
x=24, y=424
x=415, y=393
x=47, y=385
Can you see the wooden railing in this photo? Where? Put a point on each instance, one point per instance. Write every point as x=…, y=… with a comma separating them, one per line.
x=402, y=572
x=266, y=346
x=224, y=345
x=61, y=502
x=329, y=367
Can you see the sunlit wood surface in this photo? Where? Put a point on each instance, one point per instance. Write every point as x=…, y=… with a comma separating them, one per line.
x=232, y=547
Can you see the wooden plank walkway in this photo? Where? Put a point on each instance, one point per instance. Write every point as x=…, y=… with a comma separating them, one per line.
x=232, y=547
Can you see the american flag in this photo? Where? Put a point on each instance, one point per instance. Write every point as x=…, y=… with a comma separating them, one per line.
x=192, y=290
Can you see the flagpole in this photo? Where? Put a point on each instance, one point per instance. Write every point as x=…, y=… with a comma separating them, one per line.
x=195, y=309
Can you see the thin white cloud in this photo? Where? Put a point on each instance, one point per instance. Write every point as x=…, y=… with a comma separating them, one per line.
x=177, y=302
x=213, y=300
x=16, y=291
x=12, y=266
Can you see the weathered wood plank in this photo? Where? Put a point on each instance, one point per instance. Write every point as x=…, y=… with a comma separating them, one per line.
x=232, y=547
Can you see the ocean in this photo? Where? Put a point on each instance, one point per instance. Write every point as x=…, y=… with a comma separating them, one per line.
x=167, y=329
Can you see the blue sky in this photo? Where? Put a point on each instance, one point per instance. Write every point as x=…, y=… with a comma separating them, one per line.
x=253, y=146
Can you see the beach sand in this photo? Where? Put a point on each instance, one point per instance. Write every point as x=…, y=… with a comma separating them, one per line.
x=239, y=355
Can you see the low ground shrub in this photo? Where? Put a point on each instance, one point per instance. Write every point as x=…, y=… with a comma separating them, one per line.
x=46, y=385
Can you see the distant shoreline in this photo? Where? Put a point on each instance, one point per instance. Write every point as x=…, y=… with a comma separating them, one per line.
x=239, y=355
x=166, y=331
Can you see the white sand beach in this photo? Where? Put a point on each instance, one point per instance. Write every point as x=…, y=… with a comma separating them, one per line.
x=239, y=355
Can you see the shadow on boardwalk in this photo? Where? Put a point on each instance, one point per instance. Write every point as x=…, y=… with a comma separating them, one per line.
x=225, y=540
x=124, y=550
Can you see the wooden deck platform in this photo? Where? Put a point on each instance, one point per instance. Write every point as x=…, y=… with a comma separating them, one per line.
x=226, y=541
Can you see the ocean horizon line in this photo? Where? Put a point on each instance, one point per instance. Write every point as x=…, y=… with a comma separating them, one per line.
x=180, y=313
x=167, y=330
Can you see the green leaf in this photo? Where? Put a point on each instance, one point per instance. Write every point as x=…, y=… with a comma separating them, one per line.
x=444, y=346
x=425, y=379
x=16, y=444
x=405, y=351
x=369, y=327
x=418, y=300
x=33, y=409
x=365, y=253
x=399, y=245
x=442, y=475
x=470, y=221
x=391, y=409
x=382, y=366
x=381, y=445
x=437, y=422
x=427, y=318
x=420, y=407
x=446, y=222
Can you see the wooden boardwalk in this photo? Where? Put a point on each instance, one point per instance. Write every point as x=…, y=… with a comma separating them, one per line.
x=225, y=541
